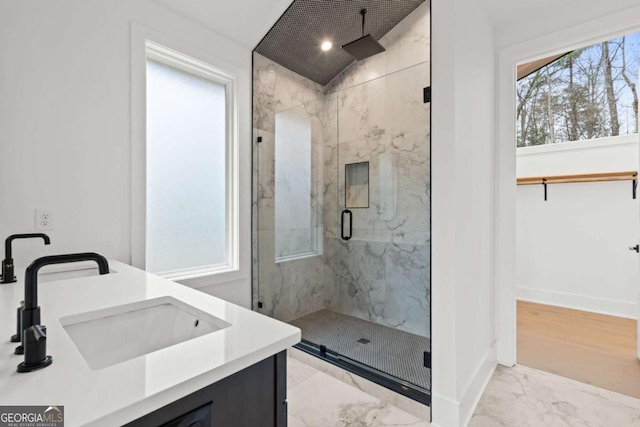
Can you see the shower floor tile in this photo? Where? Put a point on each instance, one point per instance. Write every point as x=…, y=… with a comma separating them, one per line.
x=394, y=352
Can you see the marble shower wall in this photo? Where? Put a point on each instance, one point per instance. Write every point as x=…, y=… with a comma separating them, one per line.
x=373, y=112
x=292, y=288
x=383, y=272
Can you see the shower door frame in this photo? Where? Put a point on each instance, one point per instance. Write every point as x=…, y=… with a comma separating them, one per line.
x=396, y=384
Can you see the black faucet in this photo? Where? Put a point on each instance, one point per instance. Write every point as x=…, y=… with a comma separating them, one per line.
x=7, y=271
x=33, y=336
x=7, y=262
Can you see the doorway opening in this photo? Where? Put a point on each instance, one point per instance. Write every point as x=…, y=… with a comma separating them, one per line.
x=577, y=214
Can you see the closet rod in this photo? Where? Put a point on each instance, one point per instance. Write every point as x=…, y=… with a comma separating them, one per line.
x=585, y=177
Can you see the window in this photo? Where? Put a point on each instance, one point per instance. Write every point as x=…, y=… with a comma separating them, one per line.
x=190, y=149
x=585, y=94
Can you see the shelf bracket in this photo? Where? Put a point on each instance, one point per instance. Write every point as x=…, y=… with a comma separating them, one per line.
x=544, y=183
x=634, y=187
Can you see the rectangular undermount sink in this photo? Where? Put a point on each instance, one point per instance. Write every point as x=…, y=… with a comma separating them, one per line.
x=113, y=335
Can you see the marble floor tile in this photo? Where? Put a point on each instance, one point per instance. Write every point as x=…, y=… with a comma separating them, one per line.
x=297, y=372
x=385, y=395
x=323, y=401
x=519, y=396
x=526, y=397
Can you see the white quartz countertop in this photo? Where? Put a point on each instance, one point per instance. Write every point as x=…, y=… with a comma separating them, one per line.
x=128, y=390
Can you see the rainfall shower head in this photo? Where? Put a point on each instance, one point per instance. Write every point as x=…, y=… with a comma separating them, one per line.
x=365, y=46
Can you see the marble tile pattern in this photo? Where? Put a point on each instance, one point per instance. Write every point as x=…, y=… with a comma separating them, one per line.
x=407, y=44
x=383, y=271
x=293, y=288
x=302, y=362
x=275, y=89
x=316, y=399
x=372, y=112
x=518, y=396
x=525, y=397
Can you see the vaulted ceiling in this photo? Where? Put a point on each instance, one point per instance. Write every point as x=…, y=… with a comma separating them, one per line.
x=247, y=21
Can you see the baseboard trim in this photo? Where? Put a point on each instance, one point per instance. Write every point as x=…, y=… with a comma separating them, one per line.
x=624, y=309
x=478, y=383
x=449, y=413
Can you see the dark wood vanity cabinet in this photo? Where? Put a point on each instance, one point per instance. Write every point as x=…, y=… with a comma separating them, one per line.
x=253, y=397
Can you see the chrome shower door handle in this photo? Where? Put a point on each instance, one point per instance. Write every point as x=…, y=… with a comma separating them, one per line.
x=342, y=233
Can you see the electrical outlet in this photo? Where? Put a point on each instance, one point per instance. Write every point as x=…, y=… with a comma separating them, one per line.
x=44, y=219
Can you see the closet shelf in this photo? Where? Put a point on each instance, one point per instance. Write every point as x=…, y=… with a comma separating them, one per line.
x=583, y=177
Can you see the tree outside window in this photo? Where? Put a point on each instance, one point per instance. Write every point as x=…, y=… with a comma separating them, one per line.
x=588, y=93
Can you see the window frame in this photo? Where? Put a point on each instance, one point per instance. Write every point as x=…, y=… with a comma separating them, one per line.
x=145, y=48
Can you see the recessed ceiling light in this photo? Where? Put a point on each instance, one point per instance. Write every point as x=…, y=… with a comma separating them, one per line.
x=326, y=45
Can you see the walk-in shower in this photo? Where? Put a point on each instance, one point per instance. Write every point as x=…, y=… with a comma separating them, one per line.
x=341, y=178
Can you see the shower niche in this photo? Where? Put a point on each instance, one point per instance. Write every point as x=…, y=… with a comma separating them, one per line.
x=341, y=178
x=356, y=185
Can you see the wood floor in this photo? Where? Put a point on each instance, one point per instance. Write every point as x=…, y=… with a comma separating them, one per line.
x=591, y=348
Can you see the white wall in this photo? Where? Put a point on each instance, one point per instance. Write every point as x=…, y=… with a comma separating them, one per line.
x=572, y=250
x=522, y=20
x=597, y=155
x=463, y=293
x=65, y=123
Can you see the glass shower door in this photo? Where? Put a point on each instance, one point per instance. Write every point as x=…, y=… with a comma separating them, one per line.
x=342, y=225
x=384, y=172
x=383, y=245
